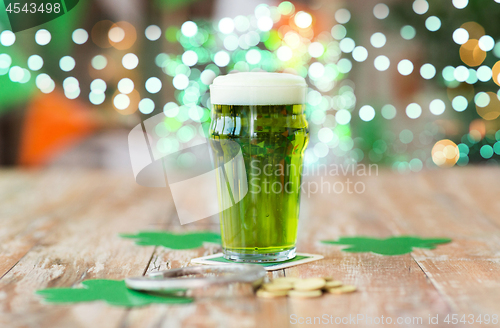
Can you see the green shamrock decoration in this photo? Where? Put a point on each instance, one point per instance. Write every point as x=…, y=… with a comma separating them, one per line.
x=188, y=240
x=114, y=292
x=398, y=245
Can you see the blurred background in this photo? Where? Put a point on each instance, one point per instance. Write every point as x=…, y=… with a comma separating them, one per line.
x=409, y=85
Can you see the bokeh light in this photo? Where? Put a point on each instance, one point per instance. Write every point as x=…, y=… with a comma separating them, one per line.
x=339, y=32
x=5, y=62
x=475, y=30
x=80, y=36
x=366, y=113
x=437, y=107
x=347, y=45
x=189, y=28
x=304, y=20
x=153, y=85
x=495, y=72
x=35, y=62
x=420, y=7
x=382, y=63
x=99, y=62
x=408, y=32
x=221, y=58
x=130, y=61
x=360, y=54
x=460, y=4
x=125, y=86
x=180, y=81
x=460, y=36
x=190, y=58
x=43, y=37
x=388, y=112
x=486, y=151
x=487, y=105
x=343, y=116
x=406, y=136
x=253, y=56
x=484, y=73
x=16, y=74
x=67, y=63
x=471, y=54
x=146, y=106
x=316, y=49
x=121, y=101
x=45, y=83
x=378, y=40
x=96, y=98
x=445, y=153
x=381, y=11
x=286, y=8
x=461, y=73
x=98, y=86
x=265, y=23
x=405, y=67
x=433, y=23
x=427, y=71
x=486, y=43
x=459, y=103
x=71, y=87
x=342, y=16
x=152, y=32
x=413, y=110
x=122, y=35
x=226, y=25
x=7, y=38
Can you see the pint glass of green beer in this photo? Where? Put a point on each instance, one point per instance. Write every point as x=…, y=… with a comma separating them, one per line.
x=259, y=116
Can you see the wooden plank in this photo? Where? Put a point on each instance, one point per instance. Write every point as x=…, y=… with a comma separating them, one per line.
x=455, y=204
x=34, y=204
x=389, y=286
x=232, y=308
x=82, y=246
x=72, y=228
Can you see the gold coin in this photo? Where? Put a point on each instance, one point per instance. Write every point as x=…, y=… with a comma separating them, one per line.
x=290, y=280
x=309, y=284
x=277, y=286
x=271, y=294
x=328, y=278
x=304, y=294
x=333, y=284
x=342, y=289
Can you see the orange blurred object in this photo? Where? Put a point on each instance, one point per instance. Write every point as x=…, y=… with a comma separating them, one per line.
x=122, y=35
x=445, y=153
x=471, y=54
x=477, y=128
x=495, y=72
x=52, y=125
x=100, y=32
x=475, y=30
x=491, y=110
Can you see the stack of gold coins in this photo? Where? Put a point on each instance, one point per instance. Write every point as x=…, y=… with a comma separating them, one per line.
x=303, y=288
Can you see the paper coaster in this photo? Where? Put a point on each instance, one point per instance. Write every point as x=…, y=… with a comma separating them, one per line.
x=300, y=258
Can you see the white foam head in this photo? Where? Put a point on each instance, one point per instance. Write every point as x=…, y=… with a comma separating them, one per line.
x=258, y=88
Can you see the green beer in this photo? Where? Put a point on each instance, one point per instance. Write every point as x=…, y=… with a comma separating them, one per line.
x=263, y=120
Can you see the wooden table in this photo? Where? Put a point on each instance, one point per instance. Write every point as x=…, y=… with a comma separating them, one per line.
x=59, y=228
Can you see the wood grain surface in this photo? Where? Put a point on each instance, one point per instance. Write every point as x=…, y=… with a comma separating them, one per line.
x=59, y=228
